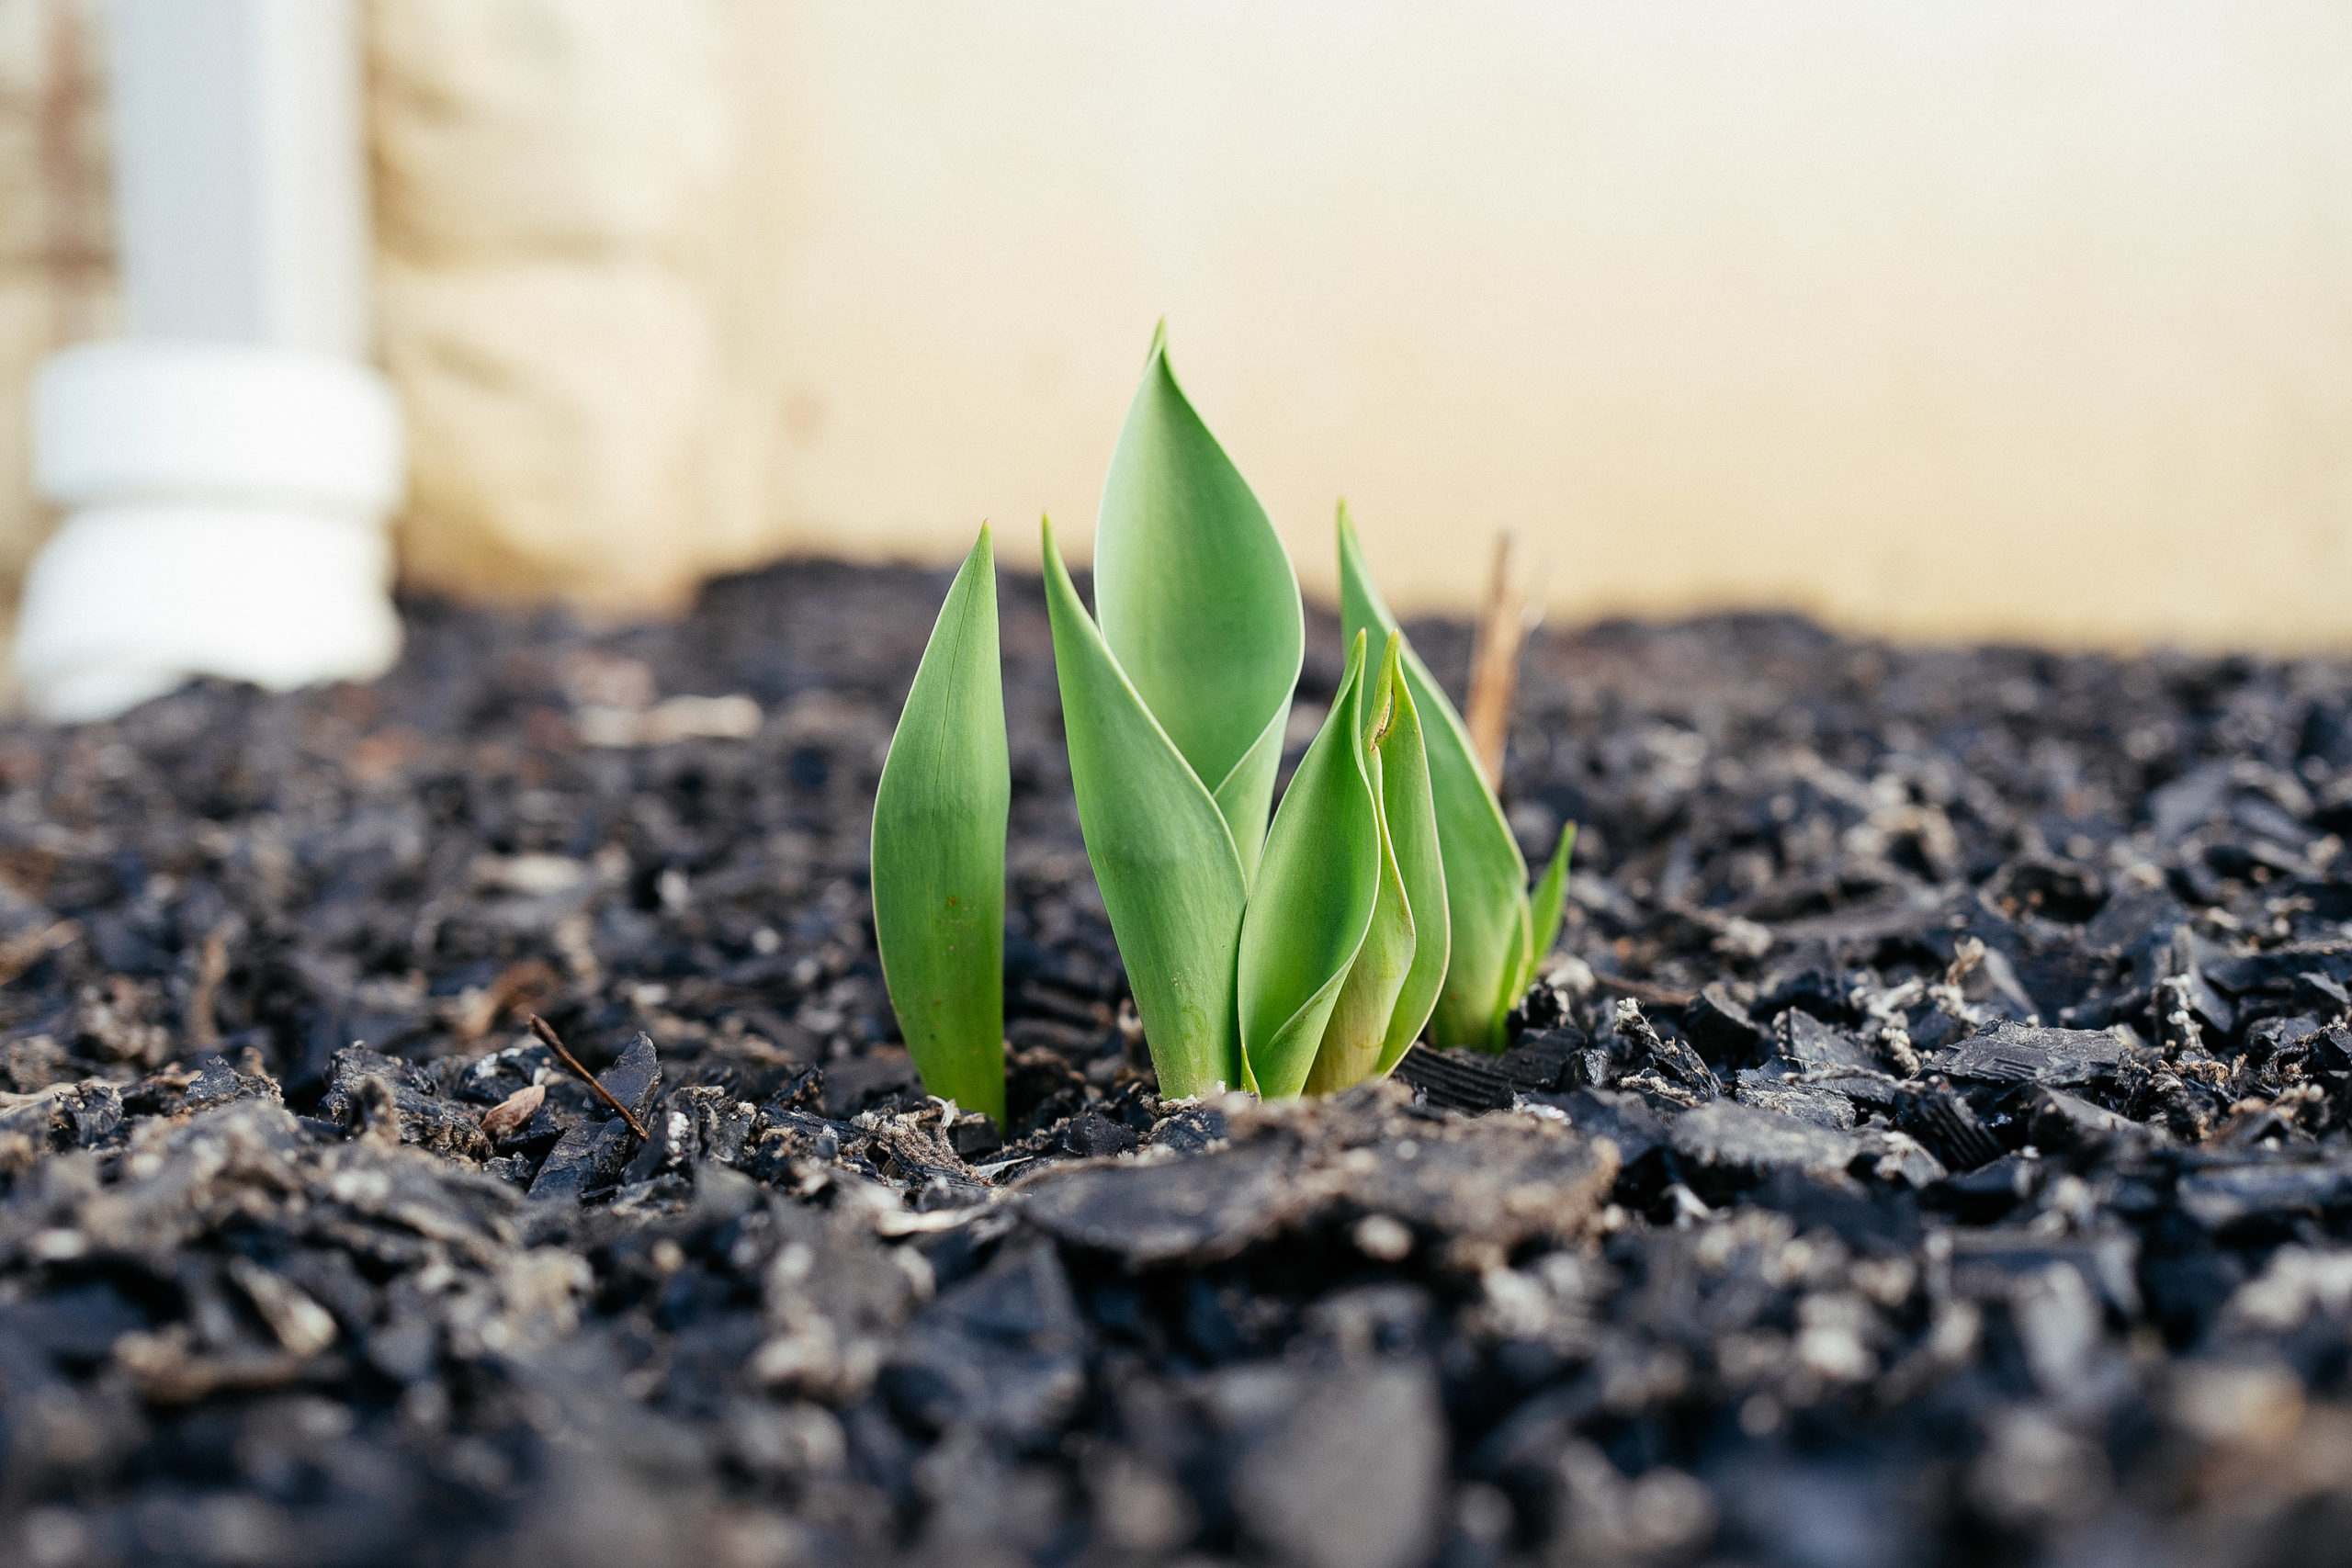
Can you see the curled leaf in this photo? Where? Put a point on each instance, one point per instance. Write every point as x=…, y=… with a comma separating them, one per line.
x=1485, y=876
x=1409, y=817
x=1344, y=946
x=1317, y=890
x=1393, y=982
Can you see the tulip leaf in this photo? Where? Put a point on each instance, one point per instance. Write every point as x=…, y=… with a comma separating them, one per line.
x=1162, y=853
x=1549, y=902
x=1376, y=1021
x=1485, y=876
x=938, y=851
x=1318, y=887
x=1409, y=820
x=1246, y=797
x=1196, y=599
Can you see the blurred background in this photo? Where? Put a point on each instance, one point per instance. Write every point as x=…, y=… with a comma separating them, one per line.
x=2017, y=319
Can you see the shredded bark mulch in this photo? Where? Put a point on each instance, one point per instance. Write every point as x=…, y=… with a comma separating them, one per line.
x=1928, y=1146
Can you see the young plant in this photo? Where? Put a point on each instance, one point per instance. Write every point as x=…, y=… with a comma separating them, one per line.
x=1388, y=895
x=938, y=867
x=1174, y=706
x=1499, y=934
x=1344, y=941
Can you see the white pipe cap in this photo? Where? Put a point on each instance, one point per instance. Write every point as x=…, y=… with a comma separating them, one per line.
x=126, y=602
x=228, y=507
x=143, y=419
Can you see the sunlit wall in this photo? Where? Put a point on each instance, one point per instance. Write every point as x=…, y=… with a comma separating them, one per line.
x=2007, y=318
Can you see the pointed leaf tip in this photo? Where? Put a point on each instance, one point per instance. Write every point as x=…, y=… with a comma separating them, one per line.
x=1196, y=596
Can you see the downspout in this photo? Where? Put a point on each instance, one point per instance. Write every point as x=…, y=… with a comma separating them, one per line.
x=227, y=469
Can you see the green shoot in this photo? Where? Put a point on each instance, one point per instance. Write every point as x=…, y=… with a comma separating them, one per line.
x=1497, y=939
x=1387, y=896
x=1174, y=709
x=938, y=866
x=1344, y=941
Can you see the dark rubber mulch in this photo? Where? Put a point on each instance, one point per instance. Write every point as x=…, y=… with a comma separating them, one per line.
x=1928, y=1146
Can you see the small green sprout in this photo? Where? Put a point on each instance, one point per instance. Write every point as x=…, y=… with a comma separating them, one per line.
x=1387, y=896
x=1343, y=943
x=938, y=869
x=1499, y=936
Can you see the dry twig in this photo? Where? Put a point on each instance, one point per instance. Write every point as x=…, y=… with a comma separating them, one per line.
x=1494, y=663
x=554, y=1042
x=211, y=968
x=519, y=988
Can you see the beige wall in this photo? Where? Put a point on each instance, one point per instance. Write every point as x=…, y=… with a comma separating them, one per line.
x=2017, y=317
x=56, y=232
x=554, y=181
x=2003, y=318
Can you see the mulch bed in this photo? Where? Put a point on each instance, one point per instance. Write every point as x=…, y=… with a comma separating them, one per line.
x=1927, y=1147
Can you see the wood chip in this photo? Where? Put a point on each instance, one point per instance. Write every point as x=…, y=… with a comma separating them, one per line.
x=509, y=1114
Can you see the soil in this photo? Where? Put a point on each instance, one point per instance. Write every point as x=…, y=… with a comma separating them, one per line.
x=1927, y=1147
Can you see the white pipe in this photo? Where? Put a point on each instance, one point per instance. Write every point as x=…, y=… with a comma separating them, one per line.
x=227, y=469
x=240, y=186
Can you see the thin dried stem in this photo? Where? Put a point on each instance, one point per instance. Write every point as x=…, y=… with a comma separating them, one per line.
x=203, y=998
x=518, y=987
x=1494, y=663
x=554, y=1042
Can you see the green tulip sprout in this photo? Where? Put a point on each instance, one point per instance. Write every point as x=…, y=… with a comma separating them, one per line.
x=1499, y=936
x=1386, y=896
x=1343, y=943
x=1174, y=704
x=938, y=867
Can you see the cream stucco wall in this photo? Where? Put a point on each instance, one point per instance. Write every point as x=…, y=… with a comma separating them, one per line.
x=2019, y=317
x=553, y=185
x=2005, y=317
x=56, y=232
